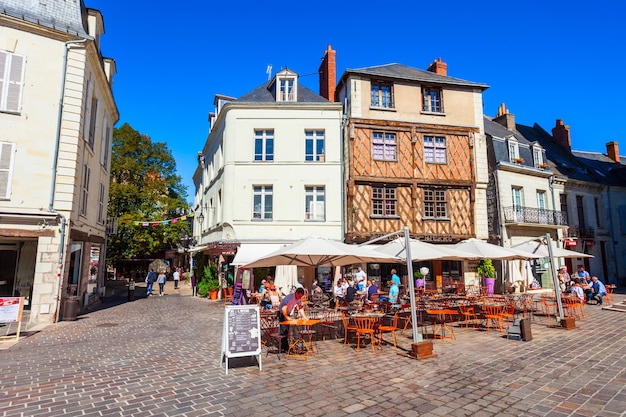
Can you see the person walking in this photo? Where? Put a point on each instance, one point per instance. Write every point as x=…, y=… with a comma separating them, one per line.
x=150, y=279
x=161, y=281
x=176, y=276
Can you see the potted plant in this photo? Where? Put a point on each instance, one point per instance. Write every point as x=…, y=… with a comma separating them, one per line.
x=518, y=160
x=542, y=166
x=419, y=279
x=487, y=271
x=209, y=284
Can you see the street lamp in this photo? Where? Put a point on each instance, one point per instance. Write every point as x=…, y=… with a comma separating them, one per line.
x=201, y=218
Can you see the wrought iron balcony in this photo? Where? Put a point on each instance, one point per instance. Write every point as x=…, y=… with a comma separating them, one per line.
x=534, y=216
x=582, y=232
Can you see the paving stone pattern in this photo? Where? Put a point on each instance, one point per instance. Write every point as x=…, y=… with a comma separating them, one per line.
x=159, y=356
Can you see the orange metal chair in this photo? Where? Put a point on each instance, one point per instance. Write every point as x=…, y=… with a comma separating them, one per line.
x=388, y=328
x=469, y=315
x=493, y=316
x=347, y=328
x=365, y=327
x=547, y=306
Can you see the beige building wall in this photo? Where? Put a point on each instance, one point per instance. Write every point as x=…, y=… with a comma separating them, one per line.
x=44, y=214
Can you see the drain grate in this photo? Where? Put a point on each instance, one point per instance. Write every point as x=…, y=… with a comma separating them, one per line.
x=107, y=324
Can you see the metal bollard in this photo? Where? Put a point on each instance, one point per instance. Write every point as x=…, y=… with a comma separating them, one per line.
x=131, y=290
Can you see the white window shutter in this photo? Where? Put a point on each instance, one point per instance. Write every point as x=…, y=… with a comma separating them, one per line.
x=16, y=80
x=7, y=150
x=4, y=58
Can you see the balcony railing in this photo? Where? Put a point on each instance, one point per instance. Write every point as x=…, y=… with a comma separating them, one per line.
x=582, y=232
x=535, y=216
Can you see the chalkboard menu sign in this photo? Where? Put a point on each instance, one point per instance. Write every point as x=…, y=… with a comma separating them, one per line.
x=242, y=333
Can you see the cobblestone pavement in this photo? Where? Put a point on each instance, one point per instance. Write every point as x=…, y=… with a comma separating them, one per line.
x=159, y=356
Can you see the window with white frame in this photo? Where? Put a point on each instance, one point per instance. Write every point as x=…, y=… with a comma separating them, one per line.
x=384, y=201
x=314, y=203
x=84, y=200
x=105, y=144
x=541, y=200
x=432, y=100
x=382, y=95
x=513, y=151
x=518, y=197
x=264, y=145
x=435, y=149
x=314, y=145
x=11, y=81
x=101, y=197
x=538, y=157
x=92, y=121
x=384, y=146
x=7, y=152
x=435, y=204
x=262, y=202
x=286, y=89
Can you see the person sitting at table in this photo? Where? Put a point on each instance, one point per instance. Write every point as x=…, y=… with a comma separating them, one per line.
x=598, y=290
x=262, y=286
x=287, y=310
x=338, y=291
x=577, y=289
x=350, y=293
x=371, y=290
x=315, y=288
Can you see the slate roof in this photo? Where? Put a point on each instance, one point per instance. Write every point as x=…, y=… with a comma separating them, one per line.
x=404, y=72
x=584, y=166
x=64, y=15
x=262, y=94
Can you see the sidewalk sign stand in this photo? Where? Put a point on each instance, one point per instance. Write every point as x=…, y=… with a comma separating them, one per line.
x=11, y=309
x=241, y=333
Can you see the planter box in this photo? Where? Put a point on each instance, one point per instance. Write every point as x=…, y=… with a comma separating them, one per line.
x=422, y=350
x=568, y=323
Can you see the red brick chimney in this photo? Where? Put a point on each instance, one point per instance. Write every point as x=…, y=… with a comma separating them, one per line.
x=612, y=151
x=438, y=67
x=560, y=133
x=505, y=118
x=328, y=74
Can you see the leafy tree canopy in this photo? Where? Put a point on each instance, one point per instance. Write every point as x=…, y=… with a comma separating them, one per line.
x=144, y=187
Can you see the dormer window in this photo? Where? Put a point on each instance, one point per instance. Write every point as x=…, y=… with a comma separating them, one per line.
x=286, y=86
x=513, y=150
x=538, y=157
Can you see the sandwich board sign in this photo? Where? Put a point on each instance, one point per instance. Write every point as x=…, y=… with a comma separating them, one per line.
x=241, y=333
x=11, y=309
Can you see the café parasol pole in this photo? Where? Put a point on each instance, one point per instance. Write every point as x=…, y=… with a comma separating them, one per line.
x=417, y=337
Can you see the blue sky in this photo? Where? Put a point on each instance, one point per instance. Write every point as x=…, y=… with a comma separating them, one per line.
x=545, y=60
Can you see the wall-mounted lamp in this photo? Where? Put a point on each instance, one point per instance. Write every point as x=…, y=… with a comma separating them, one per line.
x=201, y=218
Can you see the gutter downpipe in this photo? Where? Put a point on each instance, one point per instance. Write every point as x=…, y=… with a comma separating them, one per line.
x=51, y=208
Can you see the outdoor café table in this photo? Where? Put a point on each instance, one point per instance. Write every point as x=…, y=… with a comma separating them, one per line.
x=300, y=337
x=441, y=322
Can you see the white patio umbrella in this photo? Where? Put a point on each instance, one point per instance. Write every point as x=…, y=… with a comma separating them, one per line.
x=286, y=277
x=540, y=249
x=485, y=250
x=320, y=252
x=422, y=251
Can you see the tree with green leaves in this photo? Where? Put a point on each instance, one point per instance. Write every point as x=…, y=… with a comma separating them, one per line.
x=144, y=188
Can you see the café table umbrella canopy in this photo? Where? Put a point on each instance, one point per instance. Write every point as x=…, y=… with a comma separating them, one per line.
x=540, y=249
x=422, y=251
x=485, y=250
x=315, y=252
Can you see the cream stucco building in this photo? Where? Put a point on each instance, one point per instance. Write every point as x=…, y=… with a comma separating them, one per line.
x=270, y=171
x=57, y=114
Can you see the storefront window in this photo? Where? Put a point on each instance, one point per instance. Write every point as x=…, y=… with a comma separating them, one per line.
x=73, y=278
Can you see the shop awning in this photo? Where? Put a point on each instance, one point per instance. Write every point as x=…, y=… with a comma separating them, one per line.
x=249, y=252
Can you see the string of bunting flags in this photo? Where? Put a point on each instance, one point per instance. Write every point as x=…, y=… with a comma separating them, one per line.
x=159, y=223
